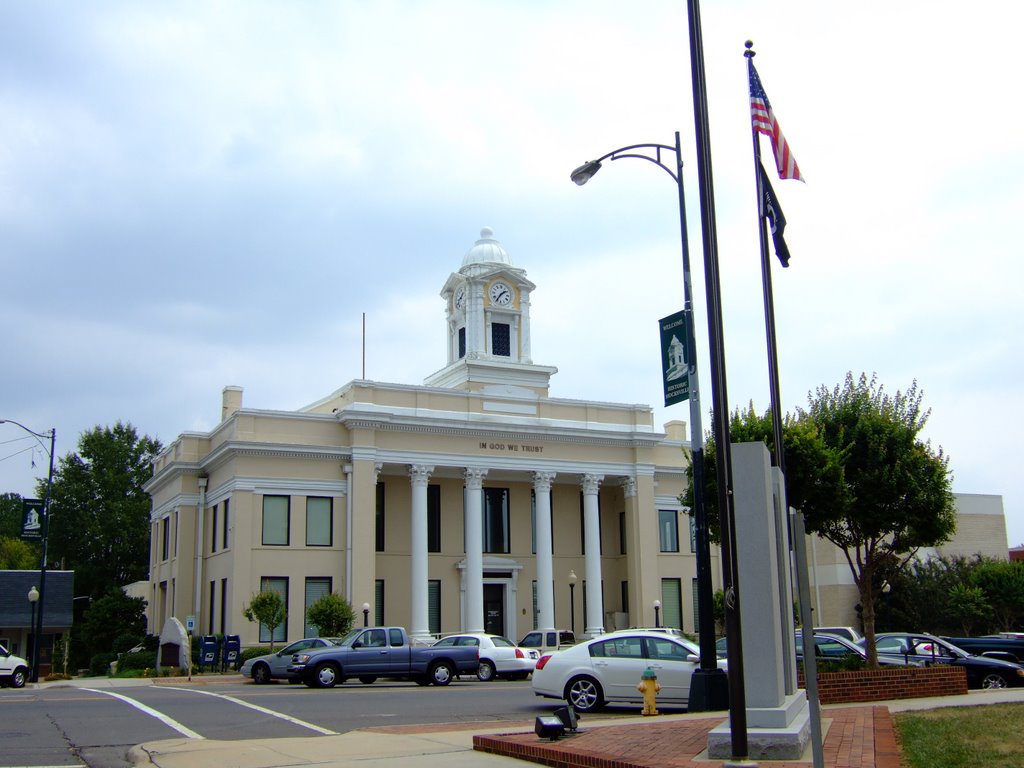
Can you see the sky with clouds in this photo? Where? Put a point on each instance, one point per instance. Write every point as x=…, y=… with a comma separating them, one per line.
x=202, y=194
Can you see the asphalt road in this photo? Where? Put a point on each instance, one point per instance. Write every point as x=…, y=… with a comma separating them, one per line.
x=78, y=726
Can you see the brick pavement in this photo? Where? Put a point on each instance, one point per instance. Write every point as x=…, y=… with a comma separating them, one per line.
x=856, y=737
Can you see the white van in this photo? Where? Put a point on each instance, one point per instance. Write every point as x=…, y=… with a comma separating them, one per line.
x=13, y=669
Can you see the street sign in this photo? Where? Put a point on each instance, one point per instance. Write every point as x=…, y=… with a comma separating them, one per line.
x=31, y=519
x=190, y=623
x=675, y=371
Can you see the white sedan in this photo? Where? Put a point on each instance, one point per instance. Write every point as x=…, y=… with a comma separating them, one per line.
x=608, y=668
x=499, y=656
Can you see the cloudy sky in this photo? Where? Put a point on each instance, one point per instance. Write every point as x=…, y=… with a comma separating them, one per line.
x=198, y=194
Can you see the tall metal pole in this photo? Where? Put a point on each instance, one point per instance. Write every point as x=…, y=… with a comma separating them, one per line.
x=42, y=561
x=707, y=688
x=719, y=394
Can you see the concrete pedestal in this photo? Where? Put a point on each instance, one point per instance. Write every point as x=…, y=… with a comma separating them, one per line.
x=778, y=714
x=776, y=733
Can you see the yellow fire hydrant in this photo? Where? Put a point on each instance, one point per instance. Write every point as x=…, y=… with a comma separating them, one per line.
x=649, y=687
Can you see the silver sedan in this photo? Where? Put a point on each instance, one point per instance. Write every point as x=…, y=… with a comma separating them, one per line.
x=274, y=666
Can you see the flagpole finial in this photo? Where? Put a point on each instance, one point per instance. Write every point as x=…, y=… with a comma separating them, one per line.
x=749, y=53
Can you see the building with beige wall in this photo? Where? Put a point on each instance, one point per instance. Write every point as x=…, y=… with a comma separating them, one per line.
x=460, y=504
x=980, y=530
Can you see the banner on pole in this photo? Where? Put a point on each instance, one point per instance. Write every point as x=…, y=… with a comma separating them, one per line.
x=31, y=519
x=674, y=366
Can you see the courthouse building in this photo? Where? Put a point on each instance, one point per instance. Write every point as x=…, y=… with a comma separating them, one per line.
x=472, y=502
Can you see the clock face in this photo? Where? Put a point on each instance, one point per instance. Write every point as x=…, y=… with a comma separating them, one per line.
x=460, y=298
x=501, y=294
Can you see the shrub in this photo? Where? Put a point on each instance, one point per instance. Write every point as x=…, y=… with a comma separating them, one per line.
x=100, y=663
x=139, y=660
x=252, y=653
x=124, y=643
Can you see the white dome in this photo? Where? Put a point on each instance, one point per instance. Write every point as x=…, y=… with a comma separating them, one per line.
x=487, y=250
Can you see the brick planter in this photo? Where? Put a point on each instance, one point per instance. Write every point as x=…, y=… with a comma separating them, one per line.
x=889, y=683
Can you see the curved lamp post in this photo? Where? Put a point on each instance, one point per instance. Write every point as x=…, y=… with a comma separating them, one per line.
x=670, y=160
x=37, y=621
x=572, y=601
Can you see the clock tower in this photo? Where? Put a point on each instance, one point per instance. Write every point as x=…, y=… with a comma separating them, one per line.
x=487, y=309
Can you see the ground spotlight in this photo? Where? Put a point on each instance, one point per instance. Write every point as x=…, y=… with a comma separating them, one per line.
x=548, y=727
x=567, y=715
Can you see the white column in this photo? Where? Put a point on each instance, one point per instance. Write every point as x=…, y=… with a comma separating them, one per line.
x=592, y=563
x=545, y=581
x=474, y=550
x=524, y=328
x=197, y=603
x=419, y=622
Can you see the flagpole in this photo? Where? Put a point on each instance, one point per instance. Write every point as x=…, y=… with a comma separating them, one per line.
x=719, y=393
x=779, y=454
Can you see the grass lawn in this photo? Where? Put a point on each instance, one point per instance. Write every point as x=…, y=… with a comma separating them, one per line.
x=954, y=737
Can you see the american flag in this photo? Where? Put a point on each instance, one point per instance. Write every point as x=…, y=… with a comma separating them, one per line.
x=764, y=122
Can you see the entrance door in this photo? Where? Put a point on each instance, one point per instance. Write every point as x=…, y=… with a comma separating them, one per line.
x=494, y=609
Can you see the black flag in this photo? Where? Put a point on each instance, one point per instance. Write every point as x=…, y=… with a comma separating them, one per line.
x=771, y=210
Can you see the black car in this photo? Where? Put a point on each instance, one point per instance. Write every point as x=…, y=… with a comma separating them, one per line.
x=982, y=671
x=830, y=647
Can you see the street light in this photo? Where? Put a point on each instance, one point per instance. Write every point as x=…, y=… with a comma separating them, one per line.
x=708, y=690
x=366, y=614
x=37, y=622
x=572, y=601
x=33, y=598
x=657, y=611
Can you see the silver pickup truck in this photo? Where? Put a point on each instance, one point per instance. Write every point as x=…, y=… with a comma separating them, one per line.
x=371, y=652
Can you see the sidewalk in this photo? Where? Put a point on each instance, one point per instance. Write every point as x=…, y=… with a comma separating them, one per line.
x=855, y=737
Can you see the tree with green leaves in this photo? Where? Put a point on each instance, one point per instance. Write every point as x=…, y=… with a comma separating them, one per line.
x=10, y=515
x=16, y=554
x=968, y=607
x=863, y=479
x=898, y=490
x=99, y=512
x=1002, y=584
x=112, y=615
x=266, y=608
x=331, y=614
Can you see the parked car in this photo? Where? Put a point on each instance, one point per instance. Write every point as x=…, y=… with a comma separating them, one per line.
x=673, y=631
x=547, y=641
x=607, y=669
x=1004, y=646
x=982, y=671
x=836, y=648
x=499, y=656
x=274, y=666
x=13, y=669
x=849, y=633
x=369, y=653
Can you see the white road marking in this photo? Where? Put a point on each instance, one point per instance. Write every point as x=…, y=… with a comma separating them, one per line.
x=184, y=731
x=264, y=710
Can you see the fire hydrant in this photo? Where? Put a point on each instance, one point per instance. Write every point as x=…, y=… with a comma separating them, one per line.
x=649, y=687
